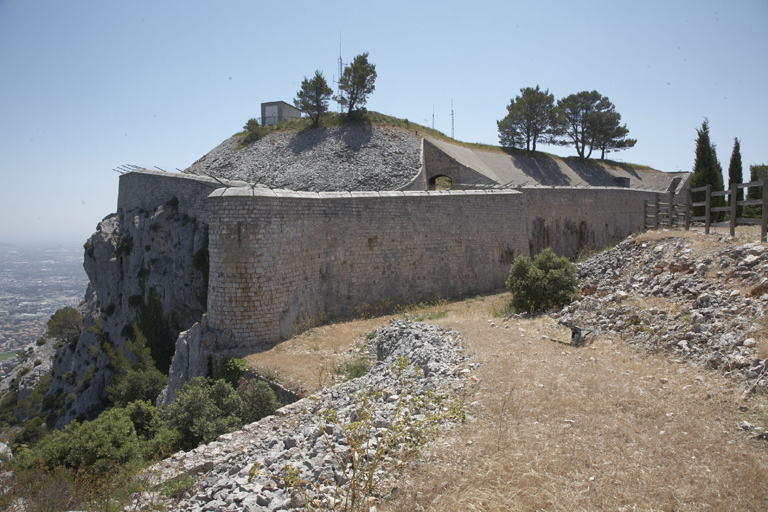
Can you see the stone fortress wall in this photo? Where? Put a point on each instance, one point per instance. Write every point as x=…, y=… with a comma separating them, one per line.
x=571, y=219
x=279, y=258
x=147, y=189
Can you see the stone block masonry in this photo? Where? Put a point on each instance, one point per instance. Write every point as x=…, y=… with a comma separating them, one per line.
x=570, y=219
x=280, y=258
x=148, y=189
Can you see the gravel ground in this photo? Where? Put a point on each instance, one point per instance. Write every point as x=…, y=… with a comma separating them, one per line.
x=335, y=158
x=709, y=309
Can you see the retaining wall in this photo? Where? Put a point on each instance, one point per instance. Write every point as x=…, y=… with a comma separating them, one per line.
x=280, y=258
x=568, y=219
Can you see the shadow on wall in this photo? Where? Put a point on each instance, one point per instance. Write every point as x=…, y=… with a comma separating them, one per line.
x=567, y=240
x=543, y=169
x=538, y=237
x=591, y=172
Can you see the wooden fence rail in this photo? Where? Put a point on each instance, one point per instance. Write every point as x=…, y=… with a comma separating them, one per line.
x=665, y=212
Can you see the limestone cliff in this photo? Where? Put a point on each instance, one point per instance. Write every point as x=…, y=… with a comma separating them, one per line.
x=148, y=268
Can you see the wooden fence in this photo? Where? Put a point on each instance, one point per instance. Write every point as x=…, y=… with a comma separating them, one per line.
x=665, y=211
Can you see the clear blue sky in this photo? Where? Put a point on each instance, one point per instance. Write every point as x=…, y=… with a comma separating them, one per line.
x=88, y=85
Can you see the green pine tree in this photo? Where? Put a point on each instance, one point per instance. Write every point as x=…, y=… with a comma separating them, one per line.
x=735, y=174
x=706, y=170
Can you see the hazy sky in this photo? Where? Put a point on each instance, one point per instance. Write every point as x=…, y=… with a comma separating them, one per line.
x=86, y=86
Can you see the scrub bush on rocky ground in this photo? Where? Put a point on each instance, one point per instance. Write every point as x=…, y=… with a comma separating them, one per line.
x=374, y=442
x=546, y=282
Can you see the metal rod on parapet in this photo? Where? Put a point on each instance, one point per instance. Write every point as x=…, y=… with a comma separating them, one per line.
x=156, y=167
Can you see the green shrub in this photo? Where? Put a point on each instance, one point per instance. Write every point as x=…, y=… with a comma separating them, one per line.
x=259, y=401
x=32, y=432
x=202, y=411
x=160, y=340
x=41, y=342
x=95, y=446
x=353, y=369
x=251, y=132
x=546, y=282
x=231, y=369
x=137, y=385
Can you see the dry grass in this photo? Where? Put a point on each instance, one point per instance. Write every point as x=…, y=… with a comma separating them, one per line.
x=307, y=361
x=552, y=427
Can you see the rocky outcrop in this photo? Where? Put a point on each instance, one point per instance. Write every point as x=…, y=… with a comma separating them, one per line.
x=144, y=267
x=197, y=351
x=353, y=157
x=659, y=295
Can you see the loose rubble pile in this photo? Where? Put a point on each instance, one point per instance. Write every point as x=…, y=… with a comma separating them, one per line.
x=658, y=295
x=294, y=436
x=336, y=158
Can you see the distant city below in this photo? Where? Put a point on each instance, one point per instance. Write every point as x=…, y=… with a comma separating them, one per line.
x=34, y=283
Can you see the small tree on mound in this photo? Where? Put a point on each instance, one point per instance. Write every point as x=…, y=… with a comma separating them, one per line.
x=544, y=283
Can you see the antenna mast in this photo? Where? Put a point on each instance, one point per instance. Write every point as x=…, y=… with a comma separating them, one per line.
x=338, y=81
x=452, y=136
x=433, y=116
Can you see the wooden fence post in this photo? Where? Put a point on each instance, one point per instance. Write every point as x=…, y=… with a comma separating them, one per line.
x=707, y=205
x=688, y=209
x=733, y=199
x=656, y=212
x=671, y=209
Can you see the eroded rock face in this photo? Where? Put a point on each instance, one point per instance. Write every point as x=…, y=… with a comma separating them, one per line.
x=145, y=267
x=193, y=356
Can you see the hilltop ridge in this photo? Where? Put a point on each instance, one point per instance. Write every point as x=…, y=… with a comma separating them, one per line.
x=349, y=157
x=384, y=153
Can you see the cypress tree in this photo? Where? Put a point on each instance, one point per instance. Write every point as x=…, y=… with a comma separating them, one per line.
x=735, y=174
x=756, y=173
x=706, y=170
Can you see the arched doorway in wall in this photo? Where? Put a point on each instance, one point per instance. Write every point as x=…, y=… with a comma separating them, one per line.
x=440, y=182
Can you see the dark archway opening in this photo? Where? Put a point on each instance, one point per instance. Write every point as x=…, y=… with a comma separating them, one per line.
x=440, y=182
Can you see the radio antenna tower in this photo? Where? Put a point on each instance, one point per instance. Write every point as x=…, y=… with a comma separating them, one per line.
x=338, y=80
x=452, y=136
